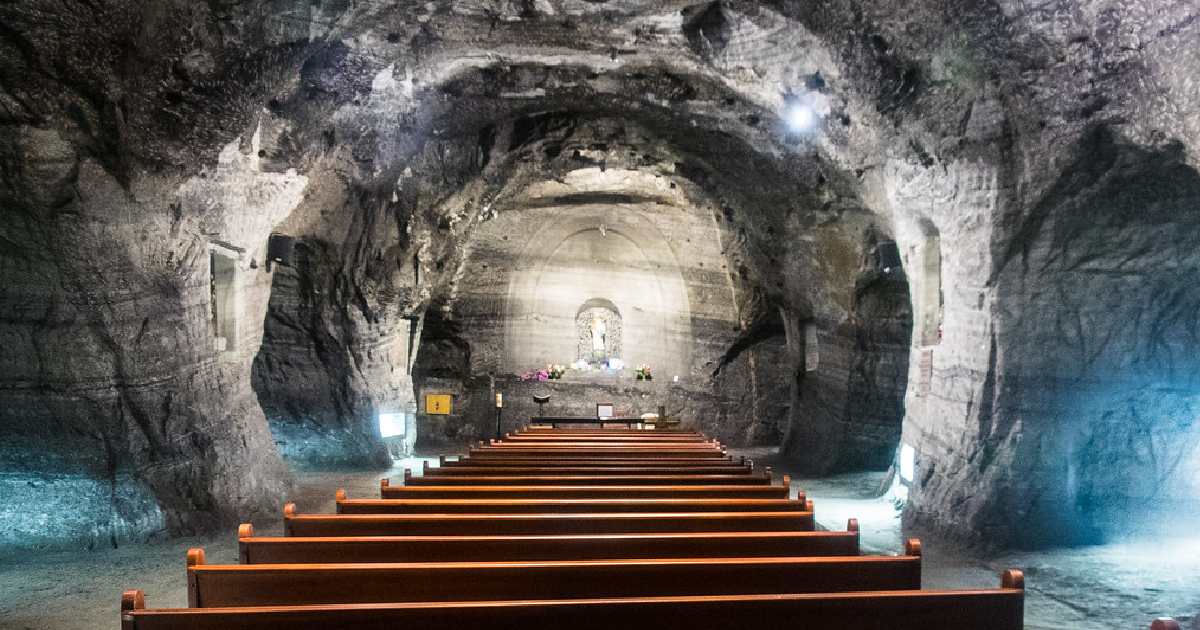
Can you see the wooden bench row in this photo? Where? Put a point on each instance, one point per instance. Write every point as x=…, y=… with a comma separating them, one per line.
x=564, y=506
x=582, y=452
x=322, y=549
x=381, y=582
x=585, y=469
x=526, y=438
x=983, y=609
x=583, y=528
x=622, y=479
x=544, y=523
x=598, y=462
x=738, y=491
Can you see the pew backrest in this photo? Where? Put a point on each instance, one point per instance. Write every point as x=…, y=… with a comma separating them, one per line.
x=562, y=506
x=319, y=550
x=761, y=491
x=346, y=583
x=588, y=480
x=977, y=609
x=516, y=524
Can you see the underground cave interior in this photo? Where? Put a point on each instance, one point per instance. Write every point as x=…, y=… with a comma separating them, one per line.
x=944, y=259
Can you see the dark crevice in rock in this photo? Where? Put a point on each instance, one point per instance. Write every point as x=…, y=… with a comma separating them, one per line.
x=766, y=327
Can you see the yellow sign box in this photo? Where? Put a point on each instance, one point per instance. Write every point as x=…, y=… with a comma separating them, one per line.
x=437, y=404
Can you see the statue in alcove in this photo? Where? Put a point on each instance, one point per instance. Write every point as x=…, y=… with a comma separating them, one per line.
x=598, y=330
x=599, y=338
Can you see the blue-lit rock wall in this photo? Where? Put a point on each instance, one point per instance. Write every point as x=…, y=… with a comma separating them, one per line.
x=1062, y=401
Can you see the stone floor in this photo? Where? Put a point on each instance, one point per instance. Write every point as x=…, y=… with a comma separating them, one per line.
x=1123, y=585
x=1117, y=586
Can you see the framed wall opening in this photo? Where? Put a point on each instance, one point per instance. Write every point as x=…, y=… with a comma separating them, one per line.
x=223, y=302
x=930, y=301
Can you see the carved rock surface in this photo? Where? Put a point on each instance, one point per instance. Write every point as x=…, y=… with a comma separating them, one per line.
x=1035, y=164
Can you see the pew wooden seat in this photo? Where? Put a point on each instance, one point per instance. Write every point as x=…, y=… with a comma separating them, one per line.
x=588, y=480
x=605, y=462
x=388, y=491
x=582, y=469
x=599, y=445
x=621, y=439
x=977, y=609
x=349, y=583
x=595, y=453
x=635, y=445
x=561, y=506
x=536, y=429
x=295, y=550
x=514, y=524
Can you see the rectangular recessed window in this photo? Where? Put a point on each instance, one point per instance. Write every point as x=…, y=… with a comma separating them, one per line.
x=812, y=353
x=908, y=463
x=222, y=305
x=930, y=297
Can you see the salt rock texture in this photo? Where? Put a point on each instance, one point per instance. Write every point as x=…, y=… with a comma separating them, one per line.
x=1034, y=164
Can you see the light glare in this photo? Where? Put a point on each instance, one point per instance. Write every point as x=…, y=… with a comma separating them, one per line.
x=391, y=424
x=801, y=118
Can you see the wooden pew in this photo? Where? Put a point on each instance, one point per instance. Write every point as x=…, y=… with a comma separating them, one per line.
x=631, y=439
x=483, y=470
x=343, y=583
x=542, y=524
x=587, y=480
x=388, y=491
x=607, y=462
x=584, y=454
x=636, y=436
x=319, y=550
x=561, y=506
x=595, y=454
x=606, y=443
x=978, y=609
x=669, y=447
x=591, y=431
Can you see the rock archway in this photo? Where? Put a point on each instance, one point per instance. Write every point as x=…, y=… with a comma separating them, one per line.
x=383, y=135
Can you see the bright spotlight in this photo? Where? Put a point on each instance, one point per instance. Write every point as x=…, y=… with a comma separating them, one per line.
x=391, y=424
x=801, y=117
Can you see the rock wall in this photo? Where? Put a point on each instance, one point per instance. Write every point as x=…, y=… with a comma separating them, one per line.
x=1035, y=165
x=1083, y=412
x=127, y=416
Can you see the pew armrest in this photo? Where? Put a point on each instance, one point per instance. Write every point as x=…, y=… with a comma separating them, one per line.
x=131, y=600
x=1013, y=578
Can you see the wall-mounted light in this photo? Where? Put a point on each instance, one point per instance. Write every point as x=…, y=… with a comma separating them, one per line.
x=391, y=424
x=800, y=117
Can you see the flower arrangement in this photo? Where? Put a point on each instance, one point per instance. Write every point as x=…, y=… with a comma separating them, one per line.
x=551, y=372
x=536, y=375
x=643, y=373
